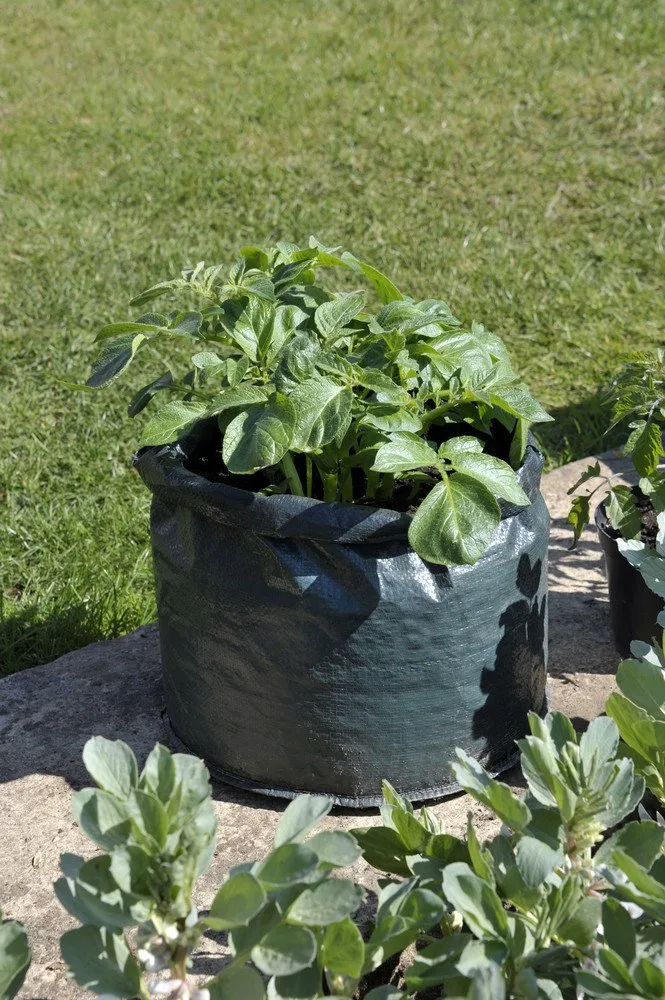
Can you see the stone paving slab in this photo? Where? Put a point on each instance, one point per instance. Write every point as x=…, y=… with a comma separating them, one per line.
x=114, y=689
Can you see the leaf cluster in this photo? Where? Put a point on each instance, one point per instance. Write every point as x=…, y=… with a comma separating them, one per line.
x=637, y=395
x=329, y=399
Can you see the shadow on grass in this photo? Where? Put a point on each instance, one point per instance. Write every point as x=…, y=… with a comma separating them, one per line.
x=30, y=637
x=578, y=430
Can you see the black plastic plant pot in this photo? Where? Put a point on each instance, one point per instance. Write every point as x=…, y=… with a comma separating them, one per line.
x=634, y=608
x=307, y=648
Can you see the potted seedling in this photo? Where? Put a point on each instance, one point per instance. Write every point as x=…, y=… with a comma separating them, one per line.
x=349, y=540
x=631, y=519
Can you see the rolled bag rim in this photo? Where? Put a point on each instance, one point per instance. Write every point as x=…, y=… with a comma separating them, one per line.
x=285, y=515
x=288, y=516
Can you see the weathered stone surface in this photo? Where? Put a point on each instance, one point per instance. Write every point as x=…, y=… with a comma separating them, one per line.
x=114, y=689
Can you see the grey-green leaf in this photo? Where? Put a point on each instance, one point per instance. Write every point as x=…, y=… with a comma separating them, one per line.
x=285, y=950
x=14, y=958
x=100, y=960
x=300, y=816
x=238, y=982
x=327, y=903
x=237, y=902
x=287, y=864
x=112, y=764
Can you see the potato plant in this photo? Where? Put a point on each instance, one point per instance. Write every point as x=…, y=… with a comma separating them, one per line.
x=329, y=398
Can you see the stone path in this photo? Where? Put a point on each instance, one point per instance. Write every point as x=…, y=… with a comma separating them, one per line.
x=114, y=689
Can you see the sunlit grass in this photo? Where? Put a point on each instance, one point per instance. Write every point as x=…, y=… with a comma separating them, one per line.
x=504, y=156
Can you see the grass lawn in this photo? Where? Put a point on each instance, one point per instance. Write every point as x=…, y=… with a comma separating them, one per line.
x=502, y=155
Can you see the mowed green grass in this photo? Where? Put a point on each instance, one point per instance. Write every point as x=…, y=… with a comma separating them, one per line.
x=506, y=156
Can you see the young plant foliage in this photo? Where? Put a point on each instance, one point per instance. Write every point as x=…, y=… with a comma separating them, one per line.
x=331, y=396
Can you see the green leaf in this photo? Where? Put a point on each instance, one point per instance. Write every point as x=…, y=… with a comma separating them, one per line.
x=404, y=452
x=386, y=290
x=115, y=356
x=159, y=773
x=237, y=902
x=385, y=993
x=383, y=417
x=336, y=848
x=619, y=929
x=327, y=903
x=287, y=864
x=598, y=743
x=645, y=446
x=541, y=849
x=304, y=985
x=171, y=420
x=186, y=323
x=455, y=522
x=578, y=517
x=149, y=815
x=240, y=397
x=102, y=817
x=253, y=326
x=99, y=960
x=285, y=950
x=15, y=958
x=322, y=413
x=343, y=949
x=642, y=841
x=192, y=775
x=259, y=436
x=582, y=925
x=144, y=395
x=495, y=475
x=338, y=313
x=518, y=401
x=237, y=982
x=591, y=472
x=637, y=728
x=258, y=284
x=622, y=511
x=155, y=291
x=644, y=684
x=384, y=387
x=456, y=447
x=382, y=849
x=112, y=764
x=497, y=796
x=94, y=897
x=476, y=901
x=300, y=816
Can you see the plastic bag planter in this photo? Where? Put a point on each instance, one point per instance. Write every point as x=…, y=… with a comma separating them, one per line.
x=306, y=647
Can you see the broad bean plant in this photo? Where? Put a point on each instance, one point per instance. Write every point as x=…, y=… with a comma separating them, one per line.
x=567, y=901
x=330, y=398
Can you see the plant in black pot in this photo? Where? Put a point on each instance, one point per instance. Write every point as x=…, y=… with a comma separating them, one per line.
x=348, y=536
x=631, y=520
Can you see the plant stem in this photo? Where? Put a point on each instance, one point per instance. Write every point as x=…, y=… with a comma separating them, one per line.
x=347, y=487
x=385, y=490
x=329, y=486
x=292, y=476
x=308, y=467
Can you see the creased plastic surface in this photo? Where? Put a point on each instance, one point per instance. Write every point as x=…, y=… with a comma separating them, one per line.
x=306, y=647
